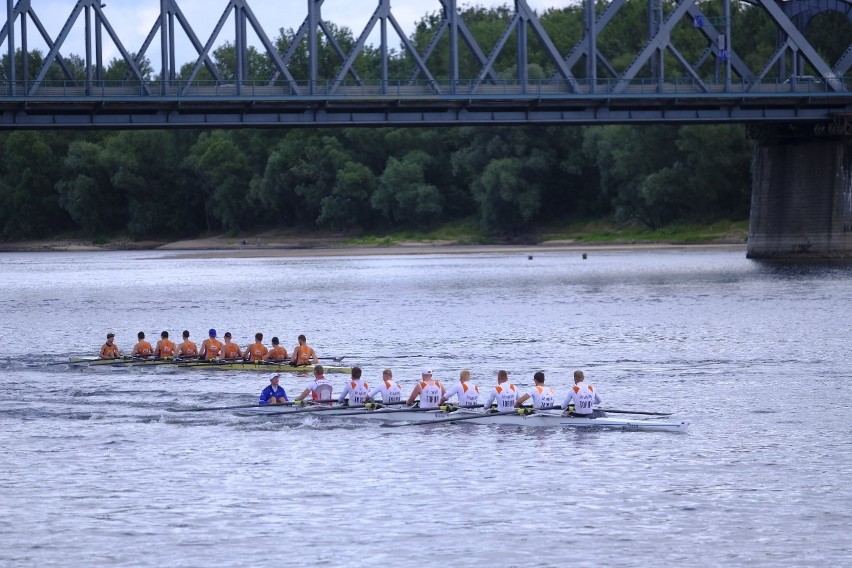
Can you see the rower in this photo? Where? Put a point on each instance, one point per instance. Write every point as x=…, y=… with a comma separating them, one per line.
x=165, y=348
x=231, y=351
x=187, y=349
x=583, y=396
x=356, y=389
x=256, y=350
x=504, y=393
x=429, y=390
x=210, y=347
x=319, y=388
x=110, y=350
x=467, y=392
x=142, y=347
x=303, y=354
x=273, y=394
x=277, y=354
x=542, y=396
x=391, y=392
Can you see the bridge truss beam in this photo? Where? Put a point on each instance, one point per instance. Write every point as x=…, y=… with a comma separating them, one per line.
x=642, y=91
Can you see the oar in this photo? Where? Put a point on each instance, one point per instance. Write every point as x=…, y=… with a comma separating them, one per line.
x=256, y=405
x=443, y=408
x=450, y=419
x=634, y=412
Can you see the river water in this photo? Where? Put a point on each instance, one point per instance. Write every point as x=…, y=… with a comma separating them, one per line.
x=95, y=470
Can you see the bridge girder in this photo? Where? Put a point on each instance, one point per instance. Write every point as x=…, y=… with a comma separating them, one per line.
x=423, y=86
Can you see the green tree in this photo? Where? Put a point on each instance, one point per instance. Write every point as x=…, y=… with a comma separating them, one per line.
x=29, y=203
x=348, y=206
x=403, y=196
x=222, y=173
x=86, y=191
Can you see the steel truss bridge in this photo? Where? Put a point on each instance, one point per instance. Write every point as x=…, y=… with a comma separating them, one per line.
x=585, y=87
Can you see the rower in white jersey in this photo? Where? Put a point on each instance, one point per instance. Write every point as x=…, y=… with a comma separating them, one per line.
x=356, y=389
x=429, y=390
x=583, y=396
x=391, y=392
x=467, y=392
x=542, y=396
x=319, y=388
x=505, y=394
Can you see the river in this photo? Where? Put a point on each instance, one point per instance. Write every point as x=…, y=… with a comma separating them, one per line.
x=96, y=470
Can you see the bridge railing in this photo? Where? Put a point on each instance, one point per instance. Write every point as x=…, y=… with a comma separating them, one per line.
x=557, y=89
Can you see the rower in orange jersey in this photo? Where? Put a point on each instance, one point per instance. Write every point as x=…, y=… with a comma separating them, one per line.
x=142, y=347
x=277, y=354
x=187, y=349
x=211, y=347
x=231, y=351
x=303, y=354
x=110, y=350
x=165, y=348
x=257, y=350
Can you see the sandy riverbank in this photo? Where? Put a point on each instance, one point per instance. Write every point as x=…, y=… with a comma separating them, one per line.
x=271, y=246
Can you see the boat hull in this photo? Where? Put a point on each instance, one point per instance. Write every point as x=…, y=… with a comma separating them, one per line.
x=536, y=420
x=214, y=365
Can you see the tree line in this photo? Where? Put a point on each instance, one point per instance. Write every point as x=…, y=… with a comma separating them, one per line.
x=155, y=184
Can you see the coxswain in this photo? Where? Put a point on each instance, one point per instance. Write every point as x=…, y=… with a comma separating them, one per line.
x=187, y=349
x=277, y=354
x=429, y=390
x=541, y=395
x=505, y=394
x=256, y=350
x=391, y=392
x=110, y=350
x=142, y=347
x=467, y=392
x=319, y=388
x=165, y=348
x=231, y=351
x=274, y=393
x=211, y=348
x=303, y=354
x=583, y=396
x=356, y=389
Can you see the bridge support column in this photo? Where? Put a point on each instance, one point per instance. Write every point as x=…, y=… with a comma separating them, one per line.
x=801, y=205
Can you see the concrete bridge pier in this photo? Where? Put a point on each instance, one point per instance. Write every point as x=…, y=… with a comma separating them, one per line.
x=801, y=204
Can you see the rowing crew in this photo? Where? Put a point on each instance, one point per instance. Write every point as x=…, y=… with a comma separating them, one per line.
x=431, y=393
x=213, y=350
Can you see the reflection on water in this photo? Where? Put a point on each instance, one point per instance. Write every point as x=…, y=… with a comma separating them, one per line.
x=99, y=471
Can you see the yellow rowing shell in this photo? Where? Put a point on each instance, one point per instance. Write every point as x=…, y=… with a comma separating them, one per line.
x=217, y=365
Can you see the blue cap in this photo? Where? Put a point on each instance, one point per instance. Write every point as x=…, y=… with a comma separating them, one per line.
x=212, y=332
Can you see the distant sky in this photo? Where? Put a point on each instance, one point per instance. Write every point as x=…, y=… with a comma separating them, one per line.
x=133, y=19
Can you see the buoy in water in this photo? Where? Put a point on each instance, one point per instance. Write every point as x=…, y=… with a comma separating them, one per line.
x=530, y=257
x=584, y=256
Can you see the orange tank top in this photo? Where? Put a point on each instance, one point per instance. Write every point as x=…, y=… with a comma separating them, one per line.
x=214, y=347
x=143, y=349
x=231, y=351
x=188, y=349
x=166, y=348
x=109, y=351
x=303, y=355
x=277, y=353
x=257, y=351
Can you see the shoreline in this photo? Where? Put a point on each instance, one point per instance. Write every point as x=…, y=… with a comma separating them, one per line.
x=219, y=247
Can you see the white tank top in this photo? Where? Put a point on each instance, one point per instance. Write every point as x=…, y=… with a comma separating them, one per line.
x=390, y=391
x=467, y=392
x=356, y=390
x=505, y=396
x=542, y=397
x=430, y=395
x=583, y=396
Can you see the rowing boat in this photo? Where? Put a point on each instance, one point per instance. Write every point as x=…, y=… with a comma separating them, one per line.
x=264, y=366
x=535, y=420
